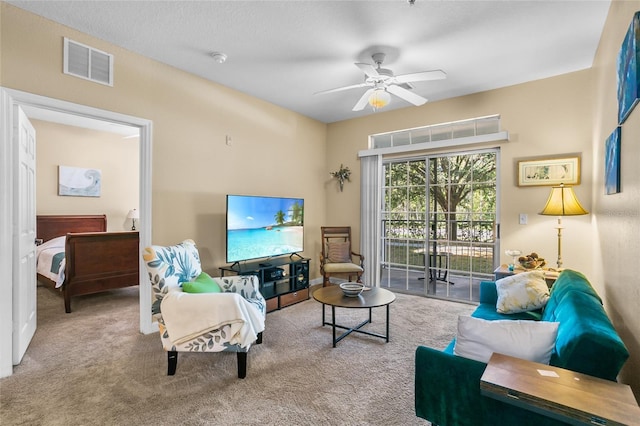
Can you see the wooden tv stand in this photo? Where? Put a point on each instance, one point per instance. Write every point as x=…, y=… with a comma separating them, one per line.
x=283, y=280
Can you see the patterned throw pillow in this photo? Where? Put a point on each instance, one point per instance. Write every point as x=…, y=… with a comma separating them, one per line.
x=338, y=252
x=522, y=292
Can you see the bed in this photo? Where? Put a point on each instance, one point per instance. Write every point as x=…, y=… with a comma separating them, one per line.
x=76, y=255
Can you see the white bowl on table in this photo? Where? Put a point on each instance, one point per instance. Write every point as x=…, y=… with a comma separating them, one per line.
x=351, y=289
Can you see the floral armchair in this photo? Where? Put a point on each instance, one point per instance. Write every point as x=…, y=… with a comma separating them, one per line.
x=228, y=315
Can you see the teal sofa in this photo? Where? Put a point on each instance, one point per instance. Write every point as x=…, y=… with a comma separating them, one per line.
x=447, y=386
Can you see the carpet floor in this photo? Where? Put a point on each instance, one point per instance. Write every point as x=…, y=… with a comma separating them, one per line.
x=93, y=367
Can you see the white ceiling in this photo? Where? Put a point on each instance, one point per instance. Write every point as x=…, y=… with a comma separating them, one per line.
x=285, y=51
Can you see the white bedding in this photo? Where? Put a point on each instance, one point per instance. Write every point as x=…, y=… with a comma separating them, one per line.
x=45, y=254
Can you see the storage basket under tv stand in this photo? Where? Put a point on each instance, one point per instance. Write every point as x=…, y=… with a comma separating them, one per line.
x=292, y=287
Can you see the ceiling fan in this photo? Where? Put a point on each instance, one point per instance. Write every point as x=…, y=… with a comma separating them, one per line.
x=382, y=81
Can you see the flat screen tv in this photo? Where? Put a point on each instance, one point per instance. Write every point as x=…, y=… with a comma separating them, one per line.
x=263, y=227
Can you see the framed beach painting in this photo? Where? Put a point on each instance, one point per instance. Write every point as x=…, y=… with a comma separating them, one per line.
x=627, y=67
x=79, y=182
x=612, y=163
x=547, y=172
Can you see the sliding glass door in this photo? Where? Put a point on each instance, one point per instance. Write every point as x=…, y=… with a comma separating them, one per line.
x=439, y=220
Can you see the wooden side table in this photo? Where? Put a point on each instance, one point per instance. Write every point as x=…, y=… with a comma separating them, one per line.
x=503, y=271
x=558, y=393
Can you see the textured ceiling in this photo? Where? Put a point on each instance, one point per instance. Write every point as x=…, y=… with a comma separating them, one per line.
x=285, y=51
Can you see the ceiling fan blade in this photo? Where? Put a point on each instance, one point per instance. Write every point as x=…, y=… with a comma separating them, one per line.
x=421, y=76
x=359, y=106
x=368, y=69
x=340, y=89
x=408, y=96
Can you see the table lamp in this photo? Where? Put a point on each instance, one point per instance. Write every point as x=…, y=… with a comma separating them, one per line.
x=133, y=215
x=562, y=202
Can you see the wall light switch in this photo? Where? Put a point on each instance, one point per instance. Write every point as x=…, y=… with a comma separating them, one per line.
x=523, y=219
x=228, y=140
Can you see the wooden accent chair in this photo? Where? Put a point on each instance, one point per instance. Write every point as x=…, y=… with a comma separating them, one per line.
x=337, y=257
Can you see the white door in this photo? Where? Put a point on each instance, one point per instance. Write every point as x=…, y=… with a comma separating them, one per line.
x=24, y=264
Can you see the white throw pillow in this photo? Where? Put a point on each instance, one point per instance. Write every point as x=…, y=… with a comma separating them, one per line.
x=531, y=340
x=522, y=292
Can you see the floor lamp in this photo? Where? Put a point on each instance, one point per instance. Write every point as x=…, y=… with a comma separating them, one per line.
x=562, y=202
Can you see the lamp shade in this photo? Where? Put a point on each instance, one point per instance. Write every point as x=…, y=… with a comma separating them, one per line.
x=379, y=98
x=133, y=214
x=563, y=202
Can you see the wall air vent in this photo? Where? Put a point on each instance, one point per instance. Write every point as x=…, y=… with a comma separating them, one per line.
x=86, y=62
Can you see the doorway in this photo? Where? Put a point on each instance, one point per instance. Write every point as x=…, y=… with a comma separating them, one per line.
x=10, y=101
x=439, y=223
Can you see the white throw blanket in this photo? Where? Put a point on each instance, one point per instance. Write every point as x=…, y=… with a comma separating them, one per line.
x=189, y=315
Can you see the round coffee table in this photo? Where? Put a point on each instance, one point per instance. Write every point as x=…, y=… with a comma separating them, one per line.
x=370, y=298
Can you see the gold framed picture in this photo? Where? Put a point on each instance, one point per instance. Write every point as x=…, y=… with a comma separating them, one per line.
x=547, y=172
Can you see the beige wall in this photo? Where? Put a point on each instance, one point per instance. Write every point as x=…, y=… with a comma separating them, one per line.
x=568, y=114
x=616, y=218
x=544, y=118
x=116, y=157
x=277, y=152
x=274, y=151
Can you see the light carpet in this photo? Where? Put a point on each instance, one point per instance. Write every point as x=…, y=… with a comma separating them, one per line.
x=93, y=367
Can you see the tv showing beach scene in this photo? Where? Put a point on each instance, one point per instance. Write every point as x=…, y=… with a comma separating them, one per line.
x=263, y=227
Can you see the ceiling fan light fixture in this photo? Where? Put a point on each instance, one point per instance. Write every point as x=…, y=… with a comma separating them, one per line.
x=379, y=98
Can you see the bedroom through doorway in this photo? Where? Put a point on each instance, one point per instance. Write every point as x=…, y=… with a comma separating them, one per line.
x=110, y=152
x=11, y=102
